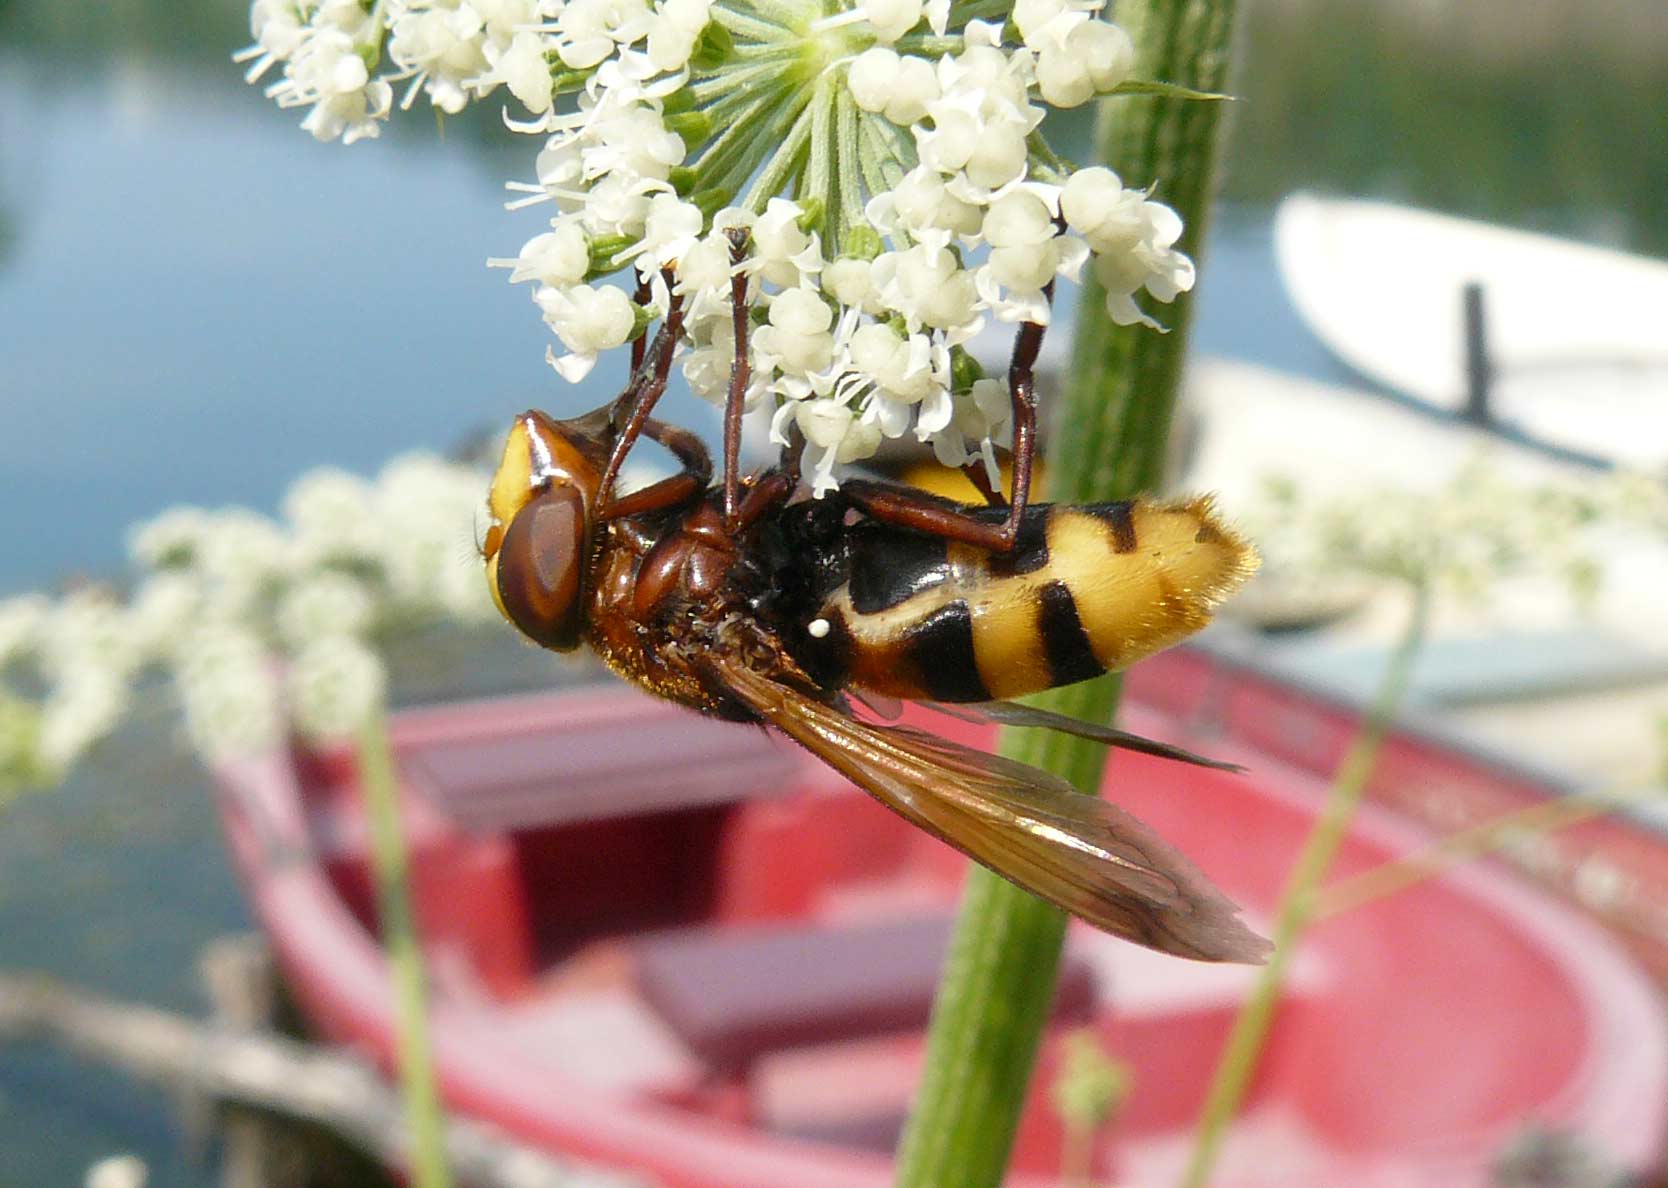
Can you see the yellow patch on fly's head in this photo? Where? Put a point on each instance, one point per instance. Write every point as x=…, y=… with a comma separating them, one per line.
x=523, y=470
x=515, y=480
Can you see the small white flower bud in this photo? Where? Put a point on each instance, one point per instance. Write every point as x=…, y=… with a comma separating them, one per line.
x=526, y=71
x=870, y=78
x=849, y=283
x=914, y=88
x=860, y=441
x=998, y=157
x=560, y=257
x=588, y=319
x=824, y=422
x=1032, y=15
x=1018, y=219
x=891, y=19
x=1089, y=198
x=922, y=202
x=1108, y=51
x=1064, y=78
x=800, y=311
x=782, y=251
x=1025, y=268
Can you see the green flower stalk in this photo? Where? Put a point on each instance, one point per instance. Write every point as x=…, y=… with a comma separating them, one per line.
x=999, y=978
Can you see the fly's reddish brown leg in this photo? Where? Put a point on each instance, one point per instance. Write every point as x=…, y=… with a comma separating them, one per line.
x=940, y=517
x=641, y=343
x=740, y=375
x=679, y=488
x=908, y=508
x=767, y=492
x=634, y=406
x=791, y=453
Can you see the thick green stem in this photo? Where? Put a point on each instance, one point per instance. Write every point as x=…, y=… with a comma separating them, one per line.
x=418, y=1089
x=1299, y=902
x=999, y=977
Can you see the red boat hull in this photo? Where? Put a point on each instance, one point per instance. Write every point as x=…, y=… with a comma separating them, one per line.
x=1419, y=1033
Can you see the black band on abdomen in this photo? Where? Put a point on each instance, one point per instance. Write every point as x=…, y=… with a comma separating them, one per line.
x=1065, y=643
x=941, y=648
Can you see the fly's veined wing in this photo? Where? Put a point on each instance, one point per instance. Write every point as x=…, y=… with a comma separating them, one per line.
x=1014, y=713
x=1078, y=852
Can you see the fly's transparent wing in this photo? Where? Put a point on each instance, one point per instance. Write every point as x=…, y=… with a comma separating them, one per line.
x=1078, y=852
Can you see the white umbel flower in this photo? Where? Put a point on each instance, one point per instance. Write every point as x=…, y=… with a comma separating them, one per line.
x=925, y=197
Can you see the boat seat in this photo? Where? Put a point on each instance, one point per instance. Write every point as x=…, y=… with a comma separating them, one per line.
x=650, y=762
x=734, y=994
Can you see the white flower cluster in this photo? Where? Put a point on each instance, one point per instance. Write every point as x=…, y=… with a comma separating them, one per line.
x=226, y=595
x=925, y=201
x=1462, y=537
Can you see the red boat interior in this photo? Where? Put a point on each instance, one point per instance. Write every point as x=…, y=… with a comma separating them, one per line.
x=694, y=916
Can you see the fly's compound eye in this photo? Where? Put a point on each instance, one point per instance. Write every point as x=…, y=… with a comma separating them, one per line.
x=536, y=573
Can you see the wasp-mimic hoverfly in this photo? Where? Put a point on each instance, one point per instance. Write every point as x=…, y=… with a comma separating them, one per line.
x=753, y=608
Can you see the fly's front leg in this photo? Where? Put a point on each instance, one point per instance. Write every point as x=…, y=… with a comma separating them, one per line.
x=767, y=492
x=631, y=411
x=680, y=488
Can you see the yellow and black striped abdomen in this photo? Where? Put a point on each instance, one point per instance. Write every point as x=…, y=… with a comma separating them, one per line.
x=1085, y=590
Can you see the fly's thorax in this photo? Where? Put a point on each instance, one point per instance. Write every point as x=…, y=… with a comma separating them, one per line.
x=1085, y=590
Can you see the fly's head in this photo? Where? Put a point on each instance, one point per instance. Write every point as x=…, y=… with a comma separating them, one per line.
x=537, y=536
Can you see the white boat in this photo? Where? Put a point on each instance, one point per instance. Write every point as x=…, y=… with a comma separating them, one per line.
x=1575, y=336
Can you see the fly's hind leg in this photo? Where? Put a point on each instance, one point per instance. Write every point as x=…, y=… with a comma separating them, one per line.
x=922, y=512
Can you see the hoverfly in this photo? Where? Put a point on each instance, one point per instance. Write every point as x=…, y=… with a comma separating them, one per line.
x=743, y=604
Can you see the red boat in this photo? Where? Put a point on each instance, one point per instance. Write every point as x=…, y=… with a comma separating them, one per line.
x=686, y=948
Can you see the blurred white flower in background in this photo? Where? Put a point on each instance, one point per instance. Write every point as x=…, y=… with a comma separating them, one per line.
x=260, y=625
x=1461, y=538
x=118, y=1171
